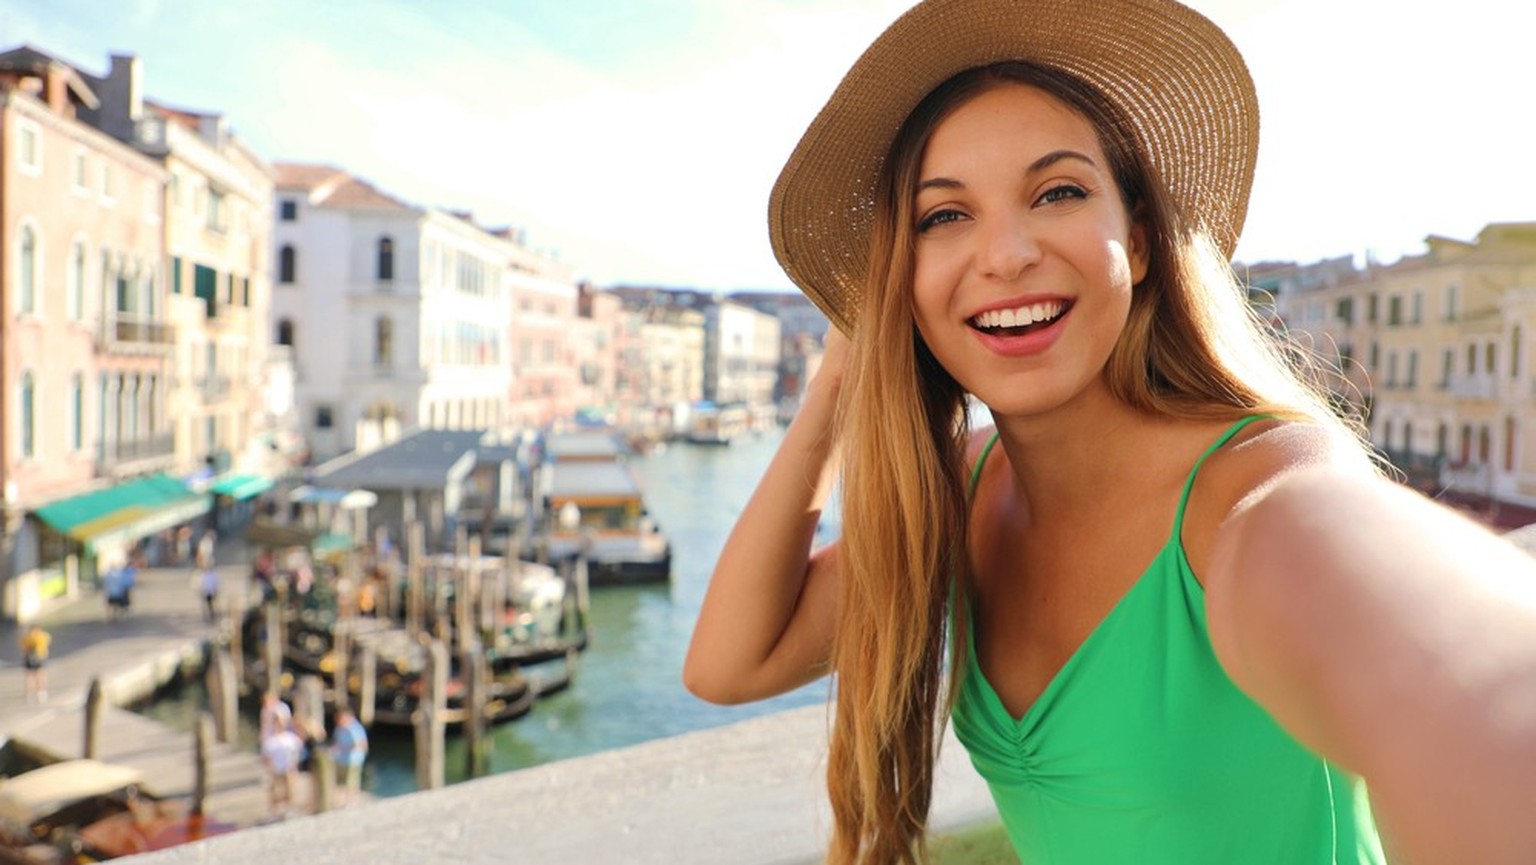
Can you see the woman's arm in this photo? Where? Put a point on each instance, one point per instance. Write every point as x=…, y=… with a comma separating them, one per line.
x=767, y=620
x=1397, y=639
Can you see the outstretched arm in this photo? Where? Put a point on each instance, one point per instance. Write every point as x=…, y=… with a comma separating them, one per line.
x=767, y=620
x=1397, y=639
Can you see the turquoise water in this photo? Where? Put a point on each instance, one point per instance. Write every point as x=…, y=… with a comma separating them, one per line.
x=628, y=686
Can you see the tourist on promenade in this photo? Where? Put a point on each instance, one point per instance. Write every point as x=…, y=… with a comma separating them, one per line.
x=281, y=753
x=34, y=661
x=206, y=544
x=349, y=750
x=117, y=585
x=275, y=714
x=208, y=587
x=1172, y=609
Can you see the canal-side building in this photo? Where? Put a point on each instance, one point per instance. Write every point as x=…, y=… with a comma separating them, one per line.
x=85, y=339
x=545, y=378
x=218, y=222
x=673, y=368
x=741, y=354
x=1436, y=347
x=396, y=316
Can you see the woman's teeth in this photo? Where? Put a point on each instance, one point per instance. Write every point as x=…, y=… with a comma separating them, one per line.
x=1021, y=316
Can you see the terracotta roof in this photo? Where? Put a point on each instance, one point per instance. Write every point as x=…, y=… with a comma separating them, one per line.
x=358, y=194
x=307, y=176
x=329, y=186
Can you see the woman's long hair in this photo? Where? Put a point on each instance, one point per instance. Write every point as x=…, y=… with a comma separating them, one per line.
x=1191, y=347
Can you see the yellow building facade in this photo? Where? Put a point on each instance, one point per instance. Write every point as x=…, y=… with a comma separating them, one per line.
x=1436, y=348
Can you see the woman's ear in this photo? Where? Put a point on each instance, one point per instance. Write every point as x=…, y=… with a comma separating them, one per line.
x=1138, y=248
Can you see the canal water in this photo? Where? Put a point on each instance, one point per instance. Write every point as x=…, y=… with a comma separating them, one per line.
x=628, y=688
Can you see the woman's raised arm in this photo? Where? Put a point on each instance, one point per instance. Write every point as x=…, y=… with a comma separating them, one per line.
x=767, y=621
x=1397, y=639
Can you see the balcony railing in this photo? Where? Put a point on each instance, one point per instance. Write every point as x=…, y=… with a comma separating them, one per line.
x=135, y=334
x=154, y=332
x=115, y=453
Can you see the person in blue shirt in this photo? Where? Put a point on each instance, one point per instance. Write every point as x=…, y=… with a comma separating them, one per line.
x=349, y=749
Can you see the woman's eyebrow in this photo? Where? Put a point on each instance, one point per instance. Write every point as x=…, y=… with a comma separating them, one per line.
x=1040, y=164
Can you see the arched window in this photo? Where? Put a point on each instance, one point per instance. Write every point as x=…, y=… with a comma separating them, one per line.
x=1489, y=353
x=27, y=272
x=386, y=259
x=383, y=342
x=1514, y=352
x=1386, y=436
x=1483, y=445
x=285, y=332
x=1442, y=440
x=287, y=264
x=28, y=414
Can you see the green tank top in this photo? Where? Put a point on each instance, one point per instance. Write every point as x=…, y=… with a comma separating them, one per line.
x=1141, y=750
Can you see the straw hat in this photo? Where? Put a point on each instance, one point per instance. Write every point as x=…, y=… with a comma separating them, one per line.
x=1170, y=71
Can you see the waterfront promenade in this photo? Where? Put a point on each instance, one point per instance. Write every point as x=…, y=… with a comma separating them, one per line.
x=163, y=632
x=746, y=793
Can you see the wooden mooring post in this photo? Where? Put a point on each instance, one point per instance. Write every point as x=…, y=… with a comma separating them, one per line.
x=95, y=703
x=223, y=694
x=272, y=649
x=472, y=667
x=429, y=721
x=237, y=637
x=367, y=684
x=415, y=602
x=202, y=746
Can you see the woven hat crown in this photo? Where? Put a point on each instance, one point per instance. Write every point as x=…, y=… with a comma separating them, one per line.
x=1172, y=73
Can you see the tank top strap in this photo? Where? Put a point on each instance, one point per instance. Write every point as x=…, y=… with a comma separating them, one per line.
x=981, y=460
x=1189, y=482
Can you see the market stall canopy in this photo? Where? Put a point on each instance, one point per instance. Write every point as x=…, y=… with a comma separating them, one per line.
x=127, y=511
x=240, y=486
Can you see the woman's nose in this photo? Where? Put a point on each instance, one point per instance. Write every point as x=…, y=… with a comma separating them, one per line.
x=1008, y=248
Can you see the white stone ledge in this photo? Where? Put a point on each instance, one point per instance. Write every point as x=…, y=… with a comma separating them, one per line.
x=751, y=793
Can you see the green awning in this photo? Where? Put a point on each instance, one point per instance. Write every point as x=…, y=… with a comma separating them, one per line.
x=128, y=511
x=241, y=486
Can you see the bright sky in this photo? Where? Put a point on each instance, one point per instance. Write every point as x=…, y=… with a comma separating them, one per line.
x=638, y=139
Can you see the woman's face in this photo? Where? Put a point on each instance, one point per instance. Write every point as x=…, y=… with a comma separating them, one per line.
x=1025, y=254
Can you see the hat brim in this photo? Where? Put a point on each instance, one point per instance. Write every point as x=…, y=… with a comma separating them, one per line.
x=1173, y=74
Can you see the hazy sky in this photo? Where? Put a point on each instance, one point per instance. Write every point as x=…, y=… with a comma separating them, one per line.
x=639, y=138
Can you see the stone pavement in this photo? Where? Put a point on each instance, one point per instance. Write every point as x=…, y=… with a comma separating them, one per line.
x=165, y=624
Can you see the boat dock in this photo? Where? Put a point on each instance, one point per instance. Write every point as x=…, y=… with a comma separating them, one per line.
x=134, y=656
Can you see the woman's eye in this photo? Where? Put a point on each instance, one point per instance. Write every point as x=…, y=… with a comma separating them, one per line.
x=938, y=217
x=1064, y=192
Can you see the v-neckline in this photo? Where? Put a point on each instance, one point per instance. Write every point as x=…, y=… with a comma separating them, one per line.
x=1174, y=545
x=1058, y=679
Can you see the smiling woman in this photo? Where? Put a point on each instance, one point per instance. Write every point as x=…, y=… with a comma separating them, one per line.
x=1115, y=593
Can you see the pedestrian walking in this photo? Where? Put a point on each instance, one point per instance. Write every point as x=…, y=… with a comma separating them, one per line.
x=208, y=587
x=205, y=548
x=349, y=750
x=35, y=643
x=112, y=590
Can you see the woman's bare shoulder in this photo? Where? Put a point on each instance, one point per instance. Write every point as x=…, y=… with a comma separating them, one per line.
x=1248, y=467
